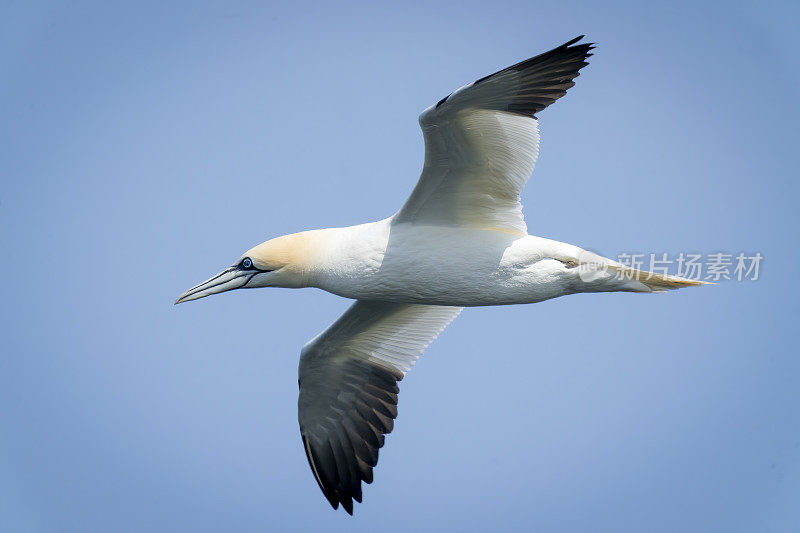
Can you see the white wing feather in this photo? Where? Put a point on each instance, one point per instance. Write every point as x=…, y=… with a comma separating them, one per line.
x=482, y=141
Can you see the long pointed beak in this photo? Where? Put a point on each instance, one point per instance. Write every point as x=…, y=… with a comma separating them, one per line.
x=229, y=279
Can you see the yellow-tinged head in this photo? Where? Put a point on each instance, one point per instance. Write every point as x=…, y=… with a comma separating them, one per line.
x=285, y=261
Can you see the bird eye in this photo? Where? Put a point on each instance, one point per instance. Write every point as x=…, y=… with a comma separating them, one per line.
x=246, y=262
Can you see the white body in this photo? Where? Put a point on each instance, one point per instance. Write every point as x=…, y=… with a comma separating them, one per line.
x=404, y=262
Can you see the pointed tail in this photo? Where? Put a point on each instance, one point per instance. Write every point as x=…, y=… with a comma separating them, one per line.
x=643, y=281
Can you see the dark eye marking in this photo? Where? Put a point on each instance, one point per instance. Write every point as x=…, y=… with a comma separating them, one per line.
x=247, y=264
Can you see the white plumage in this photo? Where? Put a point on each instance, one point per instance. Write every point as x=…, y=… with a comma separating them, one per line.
x=460, y=240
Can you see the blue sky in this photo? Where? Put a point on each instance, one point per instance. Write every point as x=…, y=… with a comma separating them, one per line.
x=144, y=147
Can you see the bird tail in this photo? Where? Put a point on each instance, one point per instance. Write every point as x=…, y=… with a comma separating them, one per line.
x=643, y=281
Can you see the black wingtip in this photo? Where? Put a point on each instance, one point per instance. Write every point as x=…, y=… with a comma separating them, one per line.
x=587, y=46
x=311, y=463
x=567, y=47
x=343, y=454
x=347, y=503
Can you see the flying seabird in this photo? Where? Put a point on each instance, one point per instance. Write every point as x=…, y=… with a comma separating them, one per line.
x=459, y=241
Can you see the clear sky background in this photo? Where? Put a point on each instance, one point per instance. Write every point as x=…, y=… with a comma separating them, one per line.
x=144, y=147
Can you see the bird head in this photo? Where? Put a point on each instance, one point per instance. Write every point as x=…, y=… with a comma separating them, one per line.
x=281, y=262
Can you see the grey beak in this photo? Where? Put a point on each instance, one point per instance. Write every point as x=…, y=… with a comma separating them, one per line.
x=229, y=279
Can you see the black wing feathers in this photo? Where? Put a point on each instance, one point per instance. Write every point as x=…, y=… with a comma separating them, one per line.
x=531, y=85
x=363, y=411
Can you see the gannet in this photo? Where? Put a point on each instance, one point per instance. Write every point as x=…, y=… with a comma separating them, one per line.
x=460, y=240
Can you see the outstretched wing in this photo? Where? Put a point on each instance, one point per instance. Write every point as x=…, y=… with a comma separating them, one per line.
x=348, y=388
x=481, y=143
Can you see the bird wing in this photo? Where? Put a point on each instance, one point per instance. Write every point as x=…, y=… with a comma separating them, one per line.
x=481, y=143
x=348, y=388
